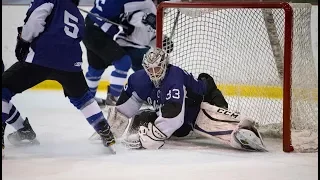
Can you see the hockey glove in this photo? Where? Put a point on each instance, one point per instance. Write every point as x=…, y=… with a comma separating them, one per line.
x=151, y=137
x=128, y=29
x=149, y=19
x=22, y=46
x=167, y=44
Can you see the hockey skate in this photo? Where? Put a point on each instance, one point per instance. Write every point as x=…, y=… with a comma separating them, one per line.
x=26, y=133
x=109, y=101
x=108, y=140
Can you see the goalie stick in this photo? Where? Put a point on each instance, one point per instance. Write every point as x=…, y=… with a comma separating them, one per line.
x=103, y=19
x=174, y=25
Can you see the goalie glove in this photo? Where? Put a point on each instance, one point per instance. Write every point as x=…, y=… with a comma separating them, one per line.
x=149, y=19
x=151, y=137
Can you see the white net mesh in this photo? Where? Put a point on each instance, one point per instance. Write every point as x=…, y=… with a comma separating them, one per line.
x=243, y=50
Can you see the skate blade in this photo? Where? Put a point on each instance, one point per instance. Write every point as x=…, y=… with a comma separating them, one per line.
x=111, y=148
x=95, y=136
x=33, y=142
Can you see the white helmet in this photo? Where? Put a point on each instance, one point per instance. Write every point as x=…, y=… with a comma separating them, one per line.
x=155, y=63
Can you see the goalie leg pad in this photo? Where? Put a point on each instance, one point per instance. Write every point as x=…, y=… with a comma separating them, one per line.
x=216, y=123
x=117, y=121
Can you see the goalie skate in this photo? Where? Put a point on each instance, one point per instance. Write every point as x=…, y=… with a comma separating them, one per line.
x=249, y=141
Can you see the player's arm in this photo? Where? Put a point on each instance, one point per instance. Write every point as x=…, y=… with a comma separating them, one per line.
x=34, y=25
x=171, y=118
x=36, y=19
x=129, y=101
x=127, y=106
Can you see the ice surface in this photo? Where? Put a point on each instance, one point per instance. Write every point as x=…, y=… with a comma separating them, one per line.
x=66, y=153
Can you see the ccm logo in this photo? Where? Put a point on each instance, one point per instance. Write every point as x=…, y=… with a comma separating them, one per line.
x=226, y=112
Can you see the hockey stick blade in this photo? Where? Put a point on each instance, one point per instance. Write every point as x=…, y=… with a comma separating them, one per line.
x=103, y=19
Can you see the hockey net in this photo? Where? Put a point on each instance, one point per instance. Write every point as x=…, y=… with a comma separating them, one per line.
x=260, y=56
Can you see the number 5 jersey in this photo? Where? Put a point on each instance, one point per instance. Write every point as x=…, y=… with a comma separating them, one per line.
x=55, y=29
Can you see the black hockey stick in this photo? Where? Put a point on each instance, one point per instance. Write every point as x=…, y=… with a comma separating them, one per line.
x=167, y=43
x=103, y=19
x=174, y=25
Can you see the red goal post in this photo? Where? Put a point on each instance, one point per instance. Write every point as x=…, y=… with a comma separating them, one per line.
x=287, y=47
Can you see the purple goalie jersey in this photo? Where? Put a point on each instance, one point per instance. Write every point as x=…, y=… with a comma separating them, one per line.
x=178, y=86
x=55, y=29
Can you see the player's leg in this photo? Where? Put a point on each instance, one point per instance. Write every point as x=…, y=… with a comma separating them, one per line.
x=111, y=53
x=136, y=55
x=16, y=79
x=77, y=90
x=228, y=127
x=95, y=70
x=213, y=96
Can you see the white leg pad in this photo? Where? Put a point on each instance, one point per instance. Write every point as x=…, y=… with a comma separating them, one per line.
x=117, y=121
x=216, y=123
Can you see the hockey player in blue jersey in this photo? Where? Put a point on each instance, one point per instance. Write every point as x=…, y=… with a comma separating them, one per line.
x=48, y=48
x=181, y=104
x=138, y=20
x=142, y=36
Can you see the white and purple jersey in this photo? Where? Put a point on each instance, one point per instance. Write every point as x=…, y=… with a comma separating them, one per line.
x=114, y=10
x=55, y=29
x=170, y=100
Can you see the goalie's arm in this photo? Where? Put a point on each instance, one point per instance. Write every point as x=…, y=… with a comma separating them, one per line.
x=170, y=118
x=129, y=103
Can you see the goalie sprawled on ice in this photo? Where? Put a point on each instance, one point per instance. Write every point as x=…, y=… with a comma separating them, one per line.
x=182, y=104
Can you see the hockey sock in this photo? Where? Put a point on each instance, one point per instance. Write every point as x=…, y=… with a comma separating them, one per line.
x=14, y=118
x=93, y=77
x=89, y=108
x=119, y=75
x=10, y=114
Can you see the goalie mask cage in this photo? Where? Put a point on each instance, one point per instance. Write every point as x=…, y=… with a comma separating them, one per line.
x=260, y=56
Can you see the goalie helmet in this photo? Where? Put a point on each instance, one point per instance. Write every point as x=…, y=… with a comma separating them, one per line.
x=155, y=63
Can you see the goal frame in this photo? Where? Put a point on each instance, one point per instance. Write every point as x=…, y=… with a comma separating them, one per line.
x=287, y=50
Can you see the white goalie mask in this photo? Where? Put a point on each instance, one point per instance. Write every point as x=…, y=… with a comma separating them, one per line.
x=155, y=63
